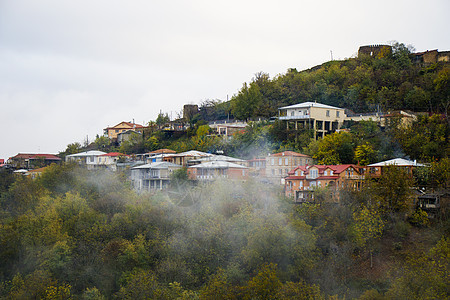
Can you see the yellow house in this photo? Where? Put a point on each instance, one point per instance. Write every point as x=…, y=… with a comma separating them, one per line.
x=323, y=119
x=112, y=132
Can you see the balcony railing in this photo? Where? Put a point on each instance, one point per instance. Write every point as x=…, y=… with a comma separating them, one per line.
x=298, y=117
x=210, y=177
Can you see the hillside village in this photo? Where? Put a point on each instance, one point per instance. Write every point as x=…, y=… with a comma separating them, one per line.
x=329, y=183
x=297, y=173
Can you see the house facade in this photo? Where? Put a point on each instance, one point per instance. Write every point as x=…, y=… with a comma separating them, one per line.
x=278, y=165
x=154, y=176
x=304, y=180
x=212, y=170
x=184, y=158
x=257, y=167
x=321, y=118
x=128, y=135
x=32, y=161
x=112, y=132
x=88, y=158
x=110, y=160
x=376, y=170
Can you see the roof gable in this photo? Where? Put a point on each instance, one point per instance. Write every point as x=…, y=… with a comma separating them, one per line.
x=310, y=104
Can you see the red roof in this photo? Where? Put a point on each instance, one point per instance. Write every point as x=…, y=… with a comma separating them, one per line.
x=46, y=156
x=337, y=169
x=35, y=156
x=114, y=154
x=290, y=153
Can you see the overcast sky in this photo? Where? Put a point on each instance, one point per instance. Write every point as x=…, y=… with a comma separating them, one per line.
x=70, y=68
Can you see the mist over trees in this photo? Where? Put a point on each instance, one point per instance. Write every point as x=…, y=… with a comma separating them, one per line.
x=74, y=233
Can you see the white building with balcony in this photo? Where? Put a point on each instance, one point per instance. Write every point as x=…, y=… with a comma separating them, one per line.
x=213, y=170
x=154, y=176
x=323, y=119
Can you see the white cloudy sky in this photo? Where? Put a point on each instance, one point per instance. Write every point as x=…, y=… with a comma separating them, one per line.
x=70, y=68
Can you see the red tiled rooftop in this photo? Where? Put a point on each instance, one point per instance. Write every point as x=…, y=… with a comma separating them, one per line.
x=114, y=154
x=35, y=156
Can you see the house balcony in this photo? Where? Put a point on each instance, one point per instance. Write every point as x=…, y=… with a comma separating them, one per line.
x=299, y=117
x=211, y=177
x=149, y=176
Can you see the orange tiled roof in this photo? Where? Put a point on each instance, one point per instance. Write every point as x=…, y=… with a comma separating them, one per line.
x=132, y=125
x=289, y=153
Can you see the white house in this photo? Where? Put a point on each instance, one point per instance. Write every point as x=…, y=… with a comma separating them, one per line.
x=154, y=176
x=88, y=158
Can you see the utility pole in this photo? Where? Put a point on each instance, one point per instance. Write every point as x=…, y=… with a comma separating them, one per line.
x=331, y=55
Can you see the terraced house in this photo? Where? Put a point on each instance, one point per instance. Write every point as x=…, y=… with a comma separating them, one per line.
x=304, y=180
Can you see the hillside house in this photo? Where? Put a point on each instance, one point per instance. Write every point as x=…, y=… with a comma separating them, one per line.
x=376, y=170
x=219, y=158
x=32, y=161
x=213, y=170
x=154, y=176
x=112, y=132
x=184, y=158
x=227, y=129
x=89, y=159
x=323, y=119
x=157, y=155
x=303, y=180
x=128, y=135
x=110, y=160
x=35, y=173
x=279, y=164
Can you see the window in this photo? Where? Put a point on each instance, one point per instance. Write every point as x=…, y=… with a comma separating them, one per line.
x=325, y=173
x=280, y=171
x=280, y=161
x=294, y=183
x=337, y=114
x=313, y=173
x=296, y=173
x=328, y=113
x=300, y=184
x=287, y=171
x=272, y=161
x=286, y=161
x=273, y=172
x=292, y=113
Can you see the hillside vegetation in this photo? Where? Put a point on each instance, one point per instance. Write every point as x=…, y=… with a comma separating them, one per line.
x=389, y=81
x=78, y=234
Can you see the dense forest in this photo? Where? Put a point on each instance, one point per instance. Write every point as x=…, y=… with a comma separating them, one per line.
x=74, y=233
